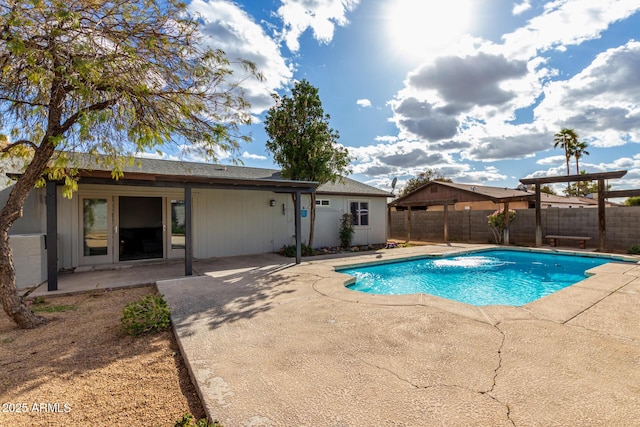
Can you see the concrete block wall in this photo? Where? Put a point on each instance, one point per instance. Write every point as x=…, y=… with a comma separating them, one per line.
x=623, y=226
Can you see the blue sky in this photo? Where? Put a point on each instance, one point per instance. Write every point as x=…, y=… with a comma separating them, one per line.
x=473, y=88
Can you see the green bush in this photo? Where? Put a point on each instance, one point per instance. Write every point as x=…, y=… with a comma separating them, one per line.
x=346, y=230
x=188, y=421
x=149, y=314
x=634, y=250
x=290, y=250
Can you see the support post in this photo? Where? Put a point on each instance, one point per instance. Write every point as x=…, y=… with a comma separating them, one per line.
x=52, y=237
x=188, y=231
x=298, y=223
x=538, y=217
x=408, y=223
x=602, y=221
x=505, y=236
x=446, y=223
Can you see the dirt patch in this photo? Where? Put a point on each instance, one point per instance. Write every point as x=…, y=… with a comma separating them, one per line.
x=80, y=369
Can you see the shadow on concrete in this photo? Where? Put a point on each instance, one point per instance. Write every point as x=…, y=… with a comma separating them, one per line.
x=219, y=297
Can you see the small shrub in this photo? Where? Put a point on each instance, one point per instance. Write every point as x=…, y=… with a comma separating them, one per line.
x=346, y=230
x=290, y=250
x=149, y=314
x=634, y=250
x=497, y=223
x=38, y=300
x=188, y=421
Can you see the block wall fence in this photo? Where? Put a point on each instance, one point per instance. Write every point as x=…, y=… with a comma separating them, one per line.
x=622, y=226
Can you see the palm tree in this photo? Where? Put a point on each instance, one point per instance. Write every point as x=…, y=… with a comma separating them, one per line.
x=579, y=150
x=566, y=139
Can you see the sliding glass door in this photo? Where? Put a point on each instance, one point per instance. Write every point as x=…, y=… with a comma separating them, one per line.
x=97, y=230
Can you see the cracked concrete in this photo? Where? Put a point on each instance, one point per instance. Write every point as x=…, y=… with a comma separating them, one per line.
x=295, y=347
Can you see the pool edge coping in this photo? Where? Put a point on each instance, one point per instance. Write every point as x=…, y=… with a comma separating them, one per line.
x=560, y=307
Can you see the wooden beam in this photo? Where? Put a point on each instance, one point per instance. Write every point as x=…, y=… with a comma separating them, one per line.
x=409, y=224
x=621, y=193
x=446, y=223
x=443, y=202
x=505, y=237
x=538, y=218
x=602, y=221
x=574, y=178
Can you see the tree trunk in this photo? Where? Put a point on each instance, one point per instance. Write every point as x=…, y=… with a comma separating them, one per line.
x=568, y=173
x=12, y=303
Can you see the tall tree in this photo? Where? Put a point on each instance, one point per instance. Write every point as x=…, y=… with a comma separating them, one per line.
x=303, y=143
x=111, y=79
x=579, y=150
x=567, y=140
x=422, y=179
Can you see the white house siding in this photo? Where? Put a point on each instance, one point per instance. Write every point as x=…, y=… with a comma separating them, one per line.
x=233, y=222
x=225, y=222
x=328, y=221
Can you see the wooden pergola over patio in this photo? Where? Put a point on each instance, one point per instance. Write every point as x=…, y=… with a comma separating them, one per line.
x=602, y=195
x=408, y=205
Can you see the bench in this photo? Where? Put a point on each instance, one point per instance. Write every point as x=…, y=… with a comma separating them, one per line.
x=553, y=239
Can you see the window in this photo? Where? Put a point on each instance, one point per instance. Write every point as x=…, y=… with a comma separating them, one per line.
x=322, y=203
x=359, y=212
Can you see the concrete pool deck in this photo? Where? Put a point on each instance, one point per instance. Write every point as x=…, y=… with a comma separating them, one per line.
x=290, y=345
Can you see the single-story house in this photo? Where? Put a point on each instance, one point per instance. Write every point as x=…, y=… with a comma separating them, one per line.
x=436, y=194
x=164, y=209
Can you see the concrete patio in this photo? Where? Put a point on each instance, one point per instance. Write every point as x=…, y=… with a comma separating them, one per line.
x=272, y=343
x=290, y=345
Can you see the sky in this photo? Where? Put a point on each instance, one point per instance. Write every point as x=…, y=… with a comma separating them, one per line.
x=475, y=89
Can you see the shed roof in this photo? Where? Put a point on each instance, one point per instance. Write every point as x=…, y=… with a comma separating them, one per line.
x=499, y=194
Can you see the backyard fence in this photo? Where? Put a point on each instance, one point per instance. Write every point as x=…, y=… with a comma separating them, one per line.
x=622, y=226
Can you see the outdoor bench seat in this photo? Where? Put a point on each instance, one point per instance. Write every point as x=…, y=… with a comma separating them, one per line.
x=553, y=239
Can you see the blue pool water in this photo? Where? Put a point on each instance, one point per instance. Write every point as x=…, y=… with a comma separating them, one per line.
x=481, y=278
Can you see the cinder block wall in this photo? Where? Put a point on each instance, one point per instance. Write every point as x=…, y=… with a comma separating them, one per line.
x=623, y=226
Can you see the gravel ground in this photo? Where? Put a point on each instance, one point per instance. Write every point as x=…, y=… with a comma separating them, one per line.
x=80, y=369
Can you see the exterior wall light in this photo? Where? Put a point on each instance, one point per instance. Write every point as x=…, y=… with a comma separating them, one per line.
x=272, y=203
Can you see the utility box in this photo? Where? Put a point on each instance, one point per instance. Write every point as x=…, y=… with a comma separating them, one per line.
x=29, y=259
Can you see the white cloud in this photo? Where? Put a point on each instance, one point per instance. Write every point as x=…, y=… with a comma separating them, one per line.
x=247, y=155
x=566, y=22
x=364, y=103
x=601, y=100
x=226, y=26
x=465, y=103
x=519, y=8
x=321, y=16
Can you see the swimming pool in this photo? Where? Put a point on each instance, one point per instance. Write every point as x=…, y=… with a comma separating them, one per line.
x=504, y=277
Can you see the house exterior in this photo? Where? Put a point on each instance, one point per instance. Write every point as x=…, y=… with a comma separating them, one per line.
x=436, y=194
x=165, y=209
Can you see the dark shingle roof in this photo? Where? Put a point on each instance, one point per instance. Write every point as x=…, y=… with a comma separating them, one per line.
x=174, y=168
x=352, y=187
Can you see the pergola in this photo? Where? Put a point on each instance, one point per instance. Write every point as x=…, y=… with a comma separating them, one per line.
x=450, y=202
x=602, y=195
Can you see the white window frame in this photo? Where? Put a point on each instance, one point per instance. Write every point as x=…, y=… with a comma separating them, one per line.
x=359, y=213
x=320, y=203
